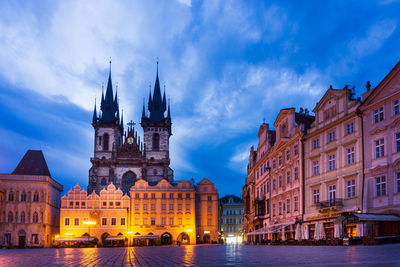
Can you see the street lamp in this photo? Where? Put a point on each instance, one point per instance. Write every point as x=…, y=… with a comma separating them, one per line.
x=89, y=223
x=130, y=233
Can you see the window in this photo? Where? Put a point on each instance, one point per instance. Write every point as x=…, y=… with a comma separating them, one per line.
x=209, y=222
x=396, y=107
x=315, y=196
x=145, y=195
x=156, y=141
x=35, y=239
x=287, y=154
x=315, y=143
x=76, y=220
x=153, y=206
x=145, y=221
x=274, y=184
x=351, y=188
x=378, y=115
x=187, y=206
x=349, y=128
x=279, y=181
x=163, y=220
x=287, y=205
x=10, y=217
x=113, y=221
x=163, y=196
x=171, y=206
x=179, y=206
x=273, y=164
x=83, y=204
x=350, y=155
x=136, y=206
x=288, y=177
x=295, y=150
x=66, y=221
x=179, y=196
x=209, y=208
x=187, y=196
x=380, y=186
x=398, y=142
x=23, y=217
x=332, y=194
x=144, y=206
x=163, y=206
x=331, y=136
x=111, y=204
x=187, y=220
x=23, y=196
x=398, y=182
x=379, y=148
x=137, y=195
x=315, y=167
x=331, y=162
x=171, y=195
x=296, y=173
x=136, y=221
x=152, y=220
x=171, y=220
x=280, y=208
x=153, y=195
x=11, y=196
x=105, y=141
x=103, y=221
x=122, y=221
x=179, y=221
x=280, y=160
x=273, y=209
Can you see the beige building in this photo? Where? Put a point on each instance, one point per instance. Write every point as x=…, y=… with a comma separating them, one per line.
x=206, y=212
x=29, y=212
x=101, y=216
x=165, y=210
x=333, y=165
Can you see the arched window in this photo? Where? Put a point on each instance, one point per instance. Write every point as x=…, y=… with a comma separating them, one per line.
x=11, y=196
x=156, y=141
x=10, y=217
x=23, y=196
x=35, y=218
x=106, y=140
x=103, y=181
x=36, y=197
x=23, y=217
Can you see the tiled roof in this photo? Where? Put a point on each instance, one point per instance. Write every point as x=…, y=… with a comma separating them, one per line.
x=33, y=163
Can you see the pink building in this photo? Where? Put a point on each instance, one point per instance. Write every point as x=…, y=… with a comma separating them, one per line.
x=381, y=129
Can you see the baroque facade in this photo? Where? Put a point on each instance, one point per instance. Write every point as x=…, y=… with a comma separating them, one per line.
x=29, y=204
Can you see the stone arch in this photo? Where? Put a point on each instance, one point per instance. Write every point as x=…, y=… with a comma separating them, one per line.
x=35, y=217
x=106, y=141
x=36, y=197
x=21, y=239
x=23, y=196
x=166, y=239
x=183, y=238
x=22, y=217
x=11, y=196
x=156, y=141
x=127, y=181
x=103, y=237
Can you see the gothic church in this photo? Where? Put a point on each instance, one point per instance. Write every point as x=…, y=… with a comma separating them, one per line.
x=120, y=157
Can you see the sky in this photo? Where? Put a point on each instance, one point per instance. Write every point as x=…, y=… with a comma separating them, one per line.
x=227, y=66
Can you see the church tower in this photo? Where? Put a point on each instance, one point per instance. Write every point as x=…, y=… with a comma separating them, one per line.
x=157, y=131
x=108, y=128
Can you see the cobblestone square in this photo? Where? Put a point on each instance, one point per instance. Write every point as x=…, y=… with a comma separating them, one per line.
x=201, y=255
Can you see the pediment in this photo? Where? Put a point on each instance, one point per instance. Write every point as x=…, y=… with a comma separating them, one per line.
x=329, y=96
x=378, y=130
x=395, y=123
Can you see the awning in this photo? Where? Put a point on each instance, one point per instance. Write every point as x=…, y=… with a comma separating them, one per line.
x=75, y=239
x=115, y=238
x=366, y=217
x=146, y=236
x=377, y=217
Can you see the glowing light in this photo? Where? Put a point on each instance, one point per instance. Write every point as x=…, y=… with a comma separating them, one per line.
x=69, y=234
x=189, y=230
x=56, y=236
x=89, y=223
x=206, y=232
x=129, y=233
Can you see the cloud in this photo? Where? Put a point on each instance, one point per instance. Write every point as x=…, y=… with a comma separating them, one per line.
x=375, y=37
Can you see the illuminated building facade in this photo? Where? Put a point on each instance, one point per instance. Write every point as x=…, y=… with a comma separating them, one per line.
x=29, y=204
x=231, y=219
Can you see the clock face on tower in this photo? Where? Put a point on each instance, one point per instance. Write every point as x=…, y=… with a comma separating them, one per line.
x=130, y=140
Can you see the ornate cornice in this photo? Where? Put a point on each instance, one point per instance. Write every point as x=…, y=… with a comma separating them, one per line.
x=378, y=129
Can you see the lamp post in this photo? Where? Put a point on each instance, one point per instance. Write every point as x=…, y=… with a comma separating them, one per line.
x=89, y=223
x=129, y=235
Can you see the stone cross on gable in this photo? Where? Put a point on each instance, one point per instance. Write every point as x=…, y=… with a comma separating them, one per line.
x=131, y=124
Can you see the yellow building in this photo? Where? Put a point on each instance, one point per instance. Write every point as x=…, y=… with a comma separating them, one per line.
x=29, y=204
x=165, y=210
x=103, y=217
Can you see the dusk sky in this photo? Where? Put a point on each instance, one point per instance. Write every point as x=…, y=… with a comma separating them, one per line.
x=226, y=66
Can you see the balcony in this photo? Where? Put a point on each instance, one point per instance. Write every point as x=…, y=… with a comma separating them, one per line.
x=330, y=205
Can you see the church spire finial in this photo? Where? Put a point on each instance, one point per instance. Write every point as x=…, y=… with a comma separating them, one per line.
x=143, y=110
x=94, y=120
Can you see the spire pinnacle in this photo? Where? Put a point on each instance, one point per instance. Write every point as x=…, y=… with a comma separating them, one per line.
x=94, y=120
x=143, y=110
x=122, y=119
x=169, y=109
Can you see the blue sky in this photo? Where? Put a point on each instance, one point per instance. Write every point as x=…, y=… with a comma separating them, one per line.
x=226, y=66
